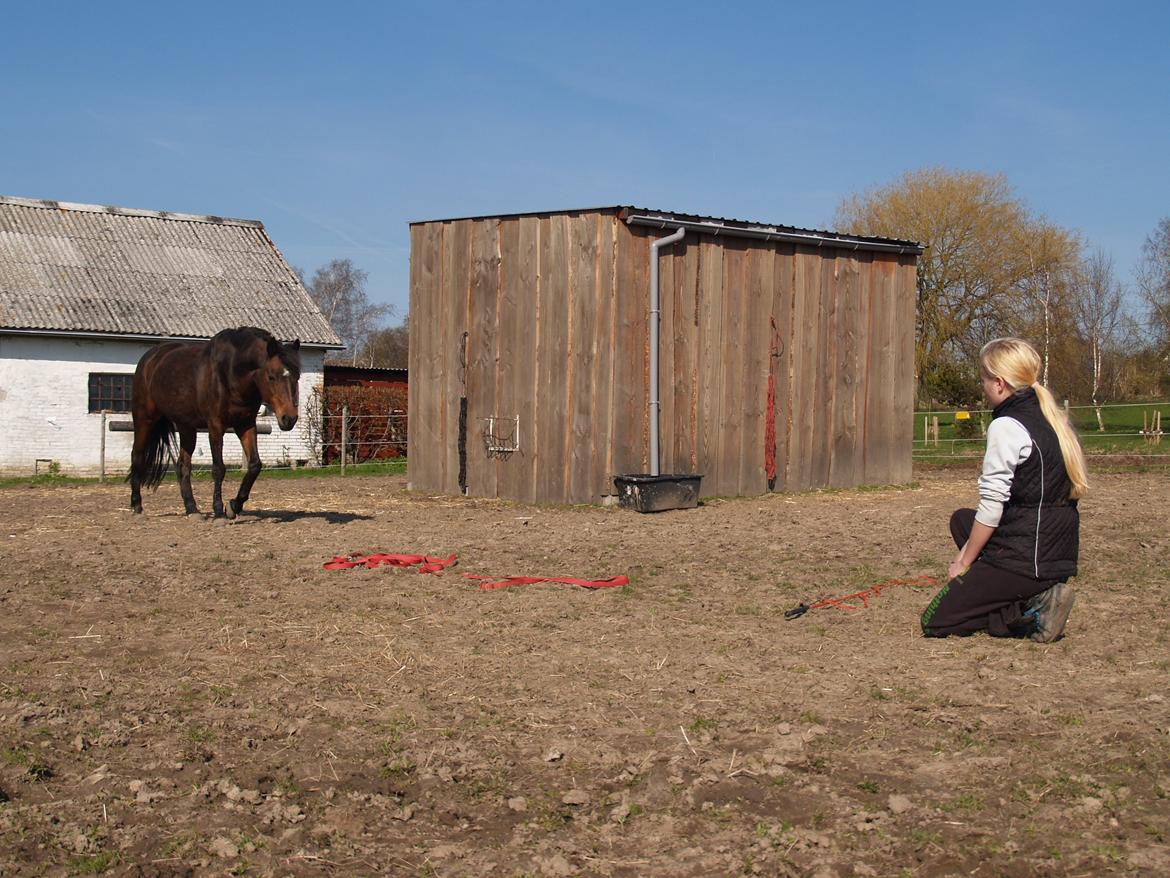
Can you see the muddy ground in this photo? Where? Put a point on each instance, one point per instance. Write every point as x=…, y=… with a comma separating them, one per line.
x=181, y=697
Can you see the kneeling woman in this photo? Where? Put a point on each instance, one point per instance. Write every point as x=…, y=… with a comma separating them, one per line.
x=1017, y=551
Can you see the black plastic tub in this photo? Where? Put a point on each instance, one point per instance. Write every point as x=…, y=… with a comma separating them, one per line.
x=647, y=493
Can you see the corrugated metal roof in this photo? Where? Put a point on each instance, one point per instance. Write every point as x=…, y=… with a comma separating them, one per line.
x=84, y=268
x=715, y=225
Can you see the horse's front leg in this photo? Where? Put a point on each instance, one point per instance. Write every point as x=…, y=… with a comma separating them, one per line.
x=252, y=456
x=187, y=438
x=218, y=470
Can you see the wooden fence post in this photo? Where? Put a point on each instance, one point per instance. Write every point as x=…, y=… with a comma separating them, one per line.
x=344, y=435
x=102, y=464
x=934, y=427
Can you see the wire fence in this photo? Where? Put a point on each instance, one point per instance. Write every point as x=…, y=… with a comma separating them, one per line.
x=348, y=438
x=375, y=442
x=1108, y=432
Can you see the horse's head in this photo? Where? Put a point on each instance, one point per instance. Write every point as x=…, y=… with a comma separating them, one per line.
x=278, y=379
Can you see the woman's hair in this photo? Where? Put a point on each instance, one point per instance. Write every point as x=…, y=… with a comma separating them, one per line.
x=1017, y=363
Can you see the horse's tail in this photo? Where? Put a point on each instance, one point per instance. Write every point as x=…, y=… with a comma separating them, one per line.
x=156, y=457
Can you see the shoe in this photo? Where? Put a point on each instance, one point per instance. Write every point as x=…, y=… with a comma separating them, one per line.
x=1049, y=611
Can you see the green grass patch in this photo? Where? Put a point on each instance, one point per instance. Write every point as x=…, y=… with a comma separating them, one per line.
x=93, y=865
x=271, y=471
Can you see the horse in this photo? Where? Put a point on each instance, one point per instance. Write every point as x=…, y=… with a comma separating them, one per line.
x=217, y=385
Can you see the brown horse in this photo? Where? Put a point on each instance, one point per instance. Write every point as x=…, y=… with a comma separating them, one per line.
x=215, y=386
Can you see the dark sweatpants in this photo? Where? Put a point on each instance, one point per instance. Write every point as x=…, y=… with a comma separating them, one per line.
x=985, y=598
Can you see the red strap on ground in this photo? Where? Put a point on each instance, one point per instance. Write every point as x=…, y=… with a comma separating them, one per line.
x=843, y=602
x=487, y=582
x=425, y=563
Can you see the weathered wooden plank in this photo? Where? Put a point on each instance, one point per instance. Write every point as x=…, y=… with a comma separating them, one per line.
x=630, y=349
x=684, y=337
x=525, y=354
x=902, y=432
x=782, y=360
x=553, y=361
x=880, y=390
x=848, y=336
x=601, y=436
x=731, y=363
x=482, y=354
x=823, y=375
x=582, y=357
x=709, y=438
x=754, y=353
x=805, y=372
x=452, y=326
x=424, y=259
x=512, y=345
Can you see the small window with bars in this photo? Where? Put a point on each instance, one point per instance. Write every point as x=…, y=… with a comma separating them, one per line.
x=109, y=391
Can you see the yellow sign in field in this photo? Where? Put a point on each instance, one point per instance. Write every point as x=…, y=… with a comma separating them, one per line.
x=962, y=416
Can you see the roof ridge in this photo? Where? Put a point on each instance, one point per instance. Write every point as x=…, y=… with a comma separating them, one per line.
x=48, y=204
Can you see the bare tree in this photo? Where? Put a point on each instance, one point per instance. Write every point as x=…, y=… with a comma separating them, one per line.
x=1099, y=315
x=1052, y=261
x=388, y=348
x=339, y=289
x=971, y=279
x=1153, y=277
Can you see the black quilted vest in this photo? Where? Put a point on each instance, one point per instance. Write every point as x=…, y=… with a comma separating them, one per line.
x=1039, y=533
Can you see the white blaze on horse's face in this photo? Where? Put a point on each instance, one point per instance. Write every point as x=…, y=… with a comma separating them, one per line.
x=282, y=390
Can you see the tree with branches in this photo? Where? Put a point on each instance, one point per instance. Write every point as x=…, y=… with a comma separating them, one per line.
x=988, y=263
x=387, y=348
x=339, y=290
x=1153, y=279
x=1099, y=317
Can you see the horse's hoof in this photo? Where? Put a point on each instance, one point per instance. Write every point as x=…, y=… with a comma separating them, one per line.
x=137, y=510
x=230, y=510
x=234, y=508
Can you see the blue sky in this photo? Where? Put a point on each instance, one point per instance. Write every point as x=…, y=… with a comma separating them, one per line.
x=338, y=123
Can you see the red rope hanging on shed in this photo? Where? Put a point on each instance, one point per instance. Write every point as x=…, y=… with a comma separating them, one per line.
x=770, y=417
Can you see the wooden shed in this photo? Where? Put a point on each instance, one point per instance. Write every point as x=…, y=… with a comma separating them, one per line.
x=786, y=354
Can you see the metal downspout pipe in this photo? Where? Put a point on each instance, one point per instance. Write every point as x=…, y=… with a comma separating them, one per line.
x=655, y=404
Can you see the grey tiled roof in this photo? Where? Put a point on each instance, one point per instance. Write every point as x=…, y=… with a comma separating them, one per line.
x=87, y=268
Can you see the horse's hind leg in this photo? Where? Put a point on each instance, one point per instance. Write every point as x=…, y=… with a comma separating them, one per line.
x=218, y=470
x=186, y=449
x=142, y=430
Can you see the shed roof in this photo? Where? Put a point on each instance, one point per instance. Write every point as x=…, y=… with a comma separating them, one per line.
x=90, y=269
x=714, y=225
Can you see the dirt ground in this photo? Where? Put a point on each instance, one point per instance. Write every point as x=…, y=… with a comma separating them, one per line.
x=183, y=697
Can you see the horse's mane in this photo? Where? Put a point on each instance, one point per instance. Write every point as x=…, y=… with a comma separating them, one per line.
x=290, y=357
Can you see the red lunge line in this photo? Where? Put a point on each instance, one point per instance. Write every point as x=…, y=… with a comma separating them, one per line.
x=841, y=603
x=427, y=564
x=487, y=582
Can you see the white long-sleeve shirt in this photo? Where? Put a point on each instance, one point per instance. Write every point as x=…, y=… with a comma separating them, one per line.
x=1008, y=445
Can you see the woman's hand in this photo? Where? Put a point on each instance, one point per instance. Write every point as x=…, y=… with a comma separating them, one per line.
x=957, y=567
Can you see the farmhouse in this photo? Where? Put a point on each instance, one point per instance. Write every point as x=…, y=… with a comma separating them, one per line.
x=785, y=356
x=85, y=290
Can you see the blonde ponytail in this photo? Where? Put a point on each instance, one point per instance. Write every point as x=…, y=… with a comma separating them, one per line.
x=1070, y=446
x=1017, y=363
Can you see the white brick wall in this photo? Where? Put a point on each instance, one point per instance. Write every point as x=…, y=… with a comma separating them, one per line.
x=44, y=407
